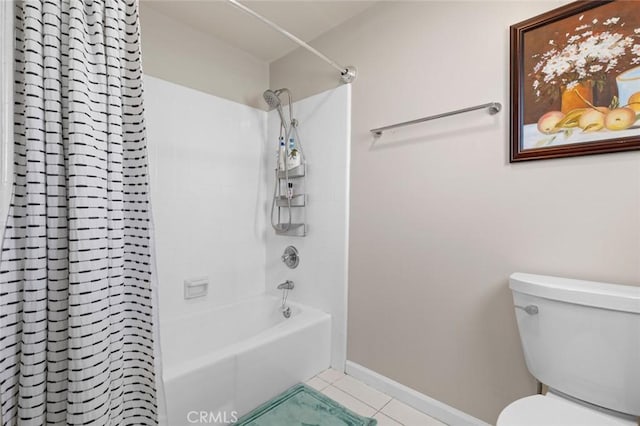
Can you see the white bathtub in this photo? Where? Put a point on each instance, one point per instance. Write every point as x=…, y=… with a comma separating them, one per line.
x=233, y=358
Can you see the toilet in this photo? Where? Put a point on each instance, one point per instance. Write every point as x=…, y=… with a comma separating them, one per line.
x=582, y=340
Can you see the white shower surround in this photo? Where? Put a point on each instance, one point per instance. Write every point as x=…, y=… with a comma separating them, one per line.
x=321, y=277
x=207, y=190
x=211, y=174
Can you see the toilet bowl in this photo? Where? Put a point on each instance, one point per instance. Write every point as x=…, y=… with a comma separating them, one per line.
x=581, y=339
x=554, y=410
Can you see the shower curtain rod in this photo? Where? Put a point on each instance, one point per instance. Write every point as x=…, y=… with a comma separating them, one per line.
x=347, y=74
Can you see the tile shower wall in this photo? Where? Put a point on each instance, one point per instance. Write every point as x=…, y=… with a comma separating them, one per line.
x=321, y=277
x=207, y=191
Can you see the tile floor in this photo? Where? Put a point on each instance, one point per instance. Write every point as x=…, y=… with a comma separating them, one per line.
x=367, y=401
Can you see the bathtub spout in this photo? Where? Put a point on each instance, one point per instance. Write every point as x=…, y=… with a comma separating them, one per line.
x=287, y=285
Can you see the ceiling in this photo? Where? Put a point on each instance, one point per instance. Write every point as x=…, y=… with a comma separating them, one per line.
x=306, y=19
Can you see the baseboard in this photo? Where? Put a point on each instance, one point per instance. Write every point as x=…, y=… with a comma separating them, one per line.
x=417, y=400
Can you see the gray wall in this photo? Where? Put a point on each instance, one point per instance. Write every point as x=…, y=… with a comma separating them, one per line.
x=178, y=53
x=439, y=218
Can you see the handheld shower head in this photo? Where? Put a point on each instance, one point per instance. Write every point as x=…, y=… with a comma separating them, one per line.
x=272, y=98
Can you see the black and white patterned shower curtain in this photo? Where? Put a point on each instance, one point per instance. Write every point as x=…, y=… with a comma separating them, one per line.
x=76, y=340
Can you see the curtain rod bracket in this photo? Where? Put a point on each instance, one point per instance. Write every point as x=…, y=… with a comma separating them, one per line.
x=349, y=74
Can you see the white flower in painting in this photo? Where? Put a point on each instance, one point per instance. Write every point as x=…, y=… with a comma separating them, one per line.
x=555, y=66
x=537, y=66
x=572, y=84
x=589, y=53
x=545, y=57
x=604, y=47
x=573, y=39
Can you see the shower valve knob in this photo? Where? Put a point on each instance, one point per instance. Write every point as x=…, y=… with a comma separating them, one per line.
x=290, y=257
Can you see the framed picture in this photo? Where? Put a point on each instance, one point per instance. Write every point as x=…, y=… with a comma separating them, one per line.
x=575, y=81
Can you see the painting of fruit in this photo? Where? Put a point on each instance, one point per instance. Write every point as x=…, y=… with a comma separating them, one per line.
x=548, y=123
x=634, y=102
x=592, y=118
x=575, y=81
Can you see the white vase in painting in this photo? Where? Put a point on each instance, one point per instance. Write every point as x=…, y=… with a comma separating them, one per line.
x=628, y=83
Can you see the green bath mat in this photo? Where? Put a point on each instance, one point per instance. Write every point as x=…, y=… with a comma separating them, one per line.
x=303, y=406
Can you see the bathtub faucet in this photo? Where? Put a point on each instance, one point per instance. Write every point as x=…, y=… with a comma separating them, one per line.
x=287, y=285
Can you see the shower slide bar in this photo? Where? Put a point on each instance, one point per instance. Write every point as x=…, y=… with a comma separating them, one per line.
x=347, y=74
x=494, y=108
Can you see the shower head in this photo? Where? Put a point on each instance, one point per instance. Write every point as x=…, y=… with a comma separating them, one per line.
x=271, y=98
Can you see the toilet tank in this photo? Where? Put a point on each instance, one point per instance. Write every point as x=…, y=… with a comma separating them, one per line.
x=583, y=339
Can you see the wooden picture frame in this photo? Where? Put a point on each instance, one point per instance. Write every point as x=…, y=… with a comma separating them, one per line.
x=575, y=81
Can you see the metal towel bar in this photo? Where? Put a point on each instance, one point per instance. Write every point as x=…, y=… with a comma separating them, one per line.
x=494, y=108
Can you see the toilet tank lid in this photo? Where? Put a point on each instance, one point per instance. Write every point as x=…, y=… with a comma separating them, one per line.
x=589, y=293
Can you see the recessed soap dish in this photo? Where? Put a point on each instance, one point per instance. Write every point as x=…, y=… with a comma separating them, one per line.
x=196, y=287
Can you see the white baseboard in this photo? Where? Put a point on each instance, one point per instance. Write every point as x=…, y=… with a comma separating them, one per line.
x=417, y=400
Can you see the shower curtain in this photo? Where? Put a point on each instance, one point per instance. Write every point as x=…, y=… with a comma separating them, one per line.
x=76, y=329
